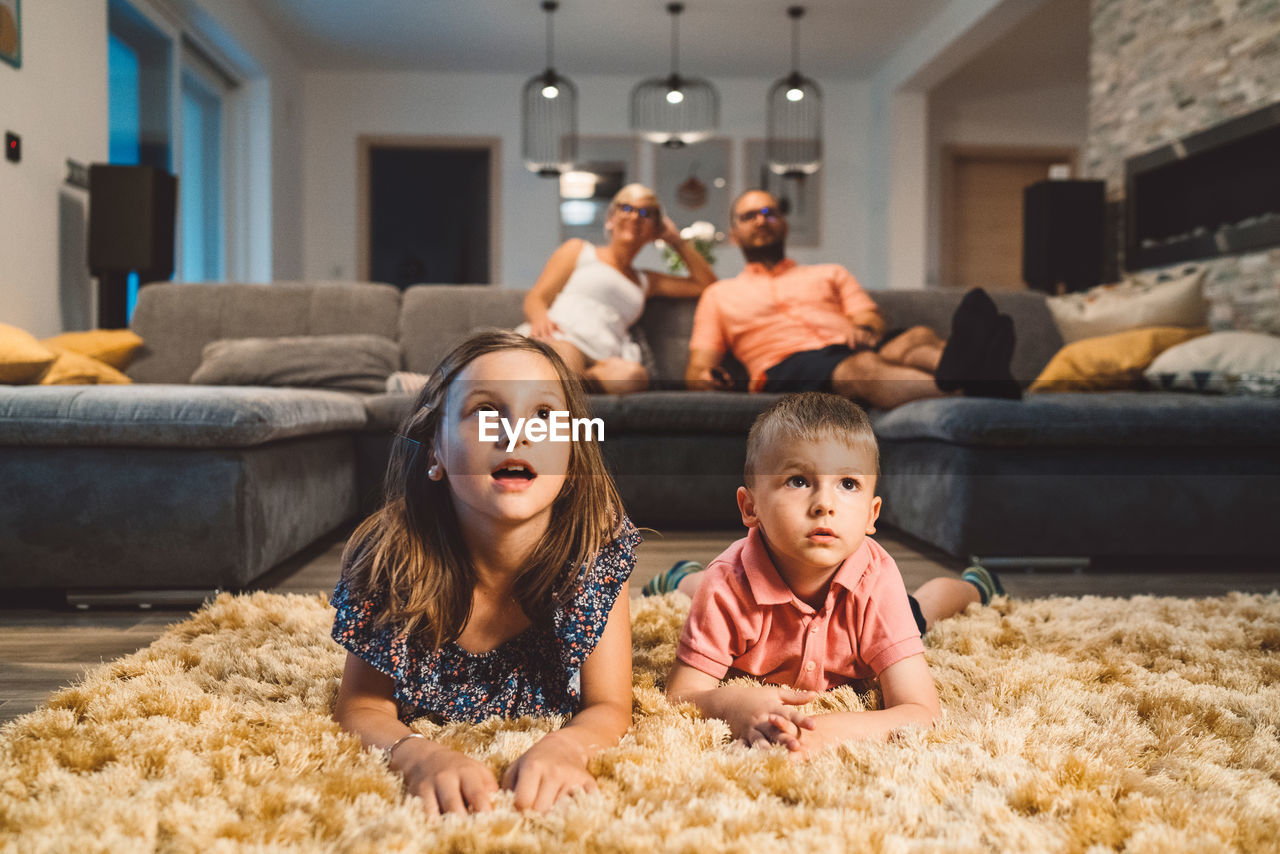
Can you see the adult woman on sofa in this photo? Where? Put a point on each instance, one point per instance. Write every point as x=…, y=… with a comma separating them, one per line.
x=587, y=297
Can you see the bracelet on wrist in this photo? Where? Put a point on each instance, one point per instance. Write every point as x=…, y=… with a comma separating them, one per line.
x=401, y=740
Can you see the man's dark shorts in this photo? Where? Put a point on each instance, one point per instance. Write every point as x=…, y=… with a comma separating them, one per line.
x=810, y=370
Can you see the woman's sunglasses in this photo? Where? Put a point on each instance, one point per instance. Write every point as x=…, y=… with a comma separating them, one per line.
x=643, y=213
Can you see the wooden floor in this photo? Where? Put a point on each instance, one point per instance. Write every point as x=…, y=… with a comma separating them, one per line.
x=45, y=644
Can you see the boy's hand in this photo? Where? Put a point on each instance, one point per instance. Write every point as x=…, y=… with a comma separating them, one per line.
x=551, y=769
x=446, y=780
x=765, y=715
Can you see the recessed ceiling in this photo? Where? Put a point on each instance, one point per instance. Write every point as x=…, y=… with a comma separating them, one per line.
x=718, y=38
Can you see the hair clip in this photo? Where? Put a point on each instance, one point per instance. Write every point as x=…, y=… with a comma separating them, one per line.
x=408, y=439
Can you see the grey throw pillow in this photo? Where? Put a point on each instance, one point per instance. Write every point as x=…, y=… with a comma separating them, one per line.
x=346, y=362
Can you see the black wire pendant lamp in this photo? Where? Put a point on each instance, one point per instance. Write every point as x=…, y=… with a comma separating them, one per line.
x=793, y=141
x=550, y=113
x=674, y=110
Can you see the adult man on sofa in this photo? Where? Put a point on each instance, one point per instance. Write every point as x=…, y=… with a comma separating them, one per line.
x=813, y=327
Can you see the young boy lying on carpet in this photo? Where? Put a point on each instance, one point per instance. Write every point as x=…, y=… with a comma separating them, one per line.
x=492, y=582
x=807, y=601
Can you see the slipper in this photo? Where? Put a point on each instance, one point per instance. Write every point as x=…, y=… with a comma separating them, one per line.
x=971, y=325
x=993, y=377
x=669, y=581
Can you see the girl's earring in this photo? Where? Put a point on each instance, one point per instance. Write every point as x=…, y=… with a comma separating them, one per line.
x=435, y=472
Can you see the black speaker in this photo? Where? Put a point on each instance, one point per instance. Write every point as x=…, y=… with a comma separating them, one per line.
x=1062, y=234
x=132, y=210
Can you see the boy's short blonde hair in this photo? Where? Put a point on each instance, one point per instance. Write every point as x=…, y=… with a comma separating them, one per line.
x=810, y=416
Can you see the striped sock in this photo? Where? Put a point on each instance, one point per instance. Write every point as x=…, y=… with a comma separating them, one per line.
x=987, y=582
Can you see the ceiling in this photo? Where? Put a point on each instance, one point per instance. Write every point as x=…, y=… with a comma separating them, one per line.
x=718, y=38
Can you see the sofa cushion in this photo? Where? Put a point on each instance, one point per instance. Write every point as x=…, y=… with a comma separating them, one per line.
x=72, y=368
x=384, y=412
x=1142, y=299
x=1086, y=419
x=22, y=358
x=1037, y=337
x=115, y=347
x=177, y=320
x=171, y=415
x=1109, y=361
x=676, y=412
x=436, y=318
x=347, y=362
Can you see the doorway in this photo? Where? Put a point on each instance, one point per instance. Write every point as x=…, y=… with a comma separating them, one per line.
x=982, y=190
x=429, y=209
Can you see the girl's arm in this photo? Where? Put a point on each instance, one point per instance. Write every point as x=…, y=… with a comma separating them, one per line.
x=553, y=279
x=909, y=698
x=445, y=780
x=700, y=272
x=557, y=764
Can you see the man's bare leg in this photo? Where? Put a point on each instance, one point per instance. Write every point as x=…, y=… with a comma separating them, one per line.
x=866, y=376
x=918, y=347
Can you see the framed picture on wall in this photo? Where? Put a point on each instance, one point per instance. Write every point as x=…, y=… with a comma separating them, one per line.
x=604, y=165
x=692, y=182
x=800, y=197
x=11, y=32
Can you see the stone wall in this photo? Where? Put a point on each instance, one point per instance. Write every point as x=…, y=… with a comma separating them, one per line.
x=1161, y=70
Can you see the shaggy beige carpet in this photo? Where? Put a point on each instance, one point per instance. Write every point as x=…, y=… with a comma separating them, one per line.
x=1069, y=725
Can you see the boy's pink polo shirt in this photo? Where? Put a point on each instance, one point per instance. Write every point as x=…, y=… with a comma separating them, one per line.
x=765, y=315
x=746, y=620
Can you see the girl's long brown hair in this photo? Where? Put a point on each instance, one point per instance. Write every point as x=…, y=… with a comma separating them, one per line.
x=412, y=550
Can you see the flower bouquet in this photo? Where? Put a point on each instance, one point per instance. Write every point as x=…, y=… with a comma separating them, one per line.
x=702, y=235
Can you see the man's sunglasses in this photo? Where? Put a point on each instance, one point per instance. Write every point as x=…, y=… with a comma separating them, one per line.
x=766, y=213
x=643, y=213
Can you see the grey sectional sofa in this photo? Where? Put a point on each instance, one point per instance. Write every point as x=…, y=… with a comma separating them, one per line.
x=191, y=488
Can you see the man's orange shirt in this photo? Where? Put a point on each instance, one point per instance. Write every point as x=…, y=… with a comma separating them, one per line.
x=763, y=316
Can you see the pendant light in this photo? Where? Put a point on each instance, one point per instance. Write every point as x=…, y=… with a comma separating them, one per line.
x=793, y=142
x=674, y=110
x=550, y=113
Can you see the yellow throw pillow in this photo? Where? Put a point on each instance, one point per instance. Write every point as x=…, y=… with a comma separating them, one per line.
x=116, y=347
x=72, y=368
x=22, y=358
x=1113, y=361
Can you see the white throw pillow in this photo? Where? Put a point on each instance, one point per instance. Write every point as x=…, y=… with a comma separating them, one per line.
x=1221, y=362
x=1140, y=300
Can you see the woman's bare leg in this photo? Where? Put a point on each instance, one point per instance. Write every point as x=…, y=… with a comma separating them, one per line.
x=618, y=376
x=574, y=359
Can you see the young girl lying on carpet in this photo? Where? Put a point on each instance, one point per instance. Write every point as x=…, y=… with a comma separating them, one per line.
x=807, y=601
x=492, y=582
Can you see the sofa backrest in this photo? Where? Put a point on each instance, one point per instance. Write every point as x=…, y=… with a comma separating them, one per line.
x=176, y=321
x=1037, y=335
x=436, y=318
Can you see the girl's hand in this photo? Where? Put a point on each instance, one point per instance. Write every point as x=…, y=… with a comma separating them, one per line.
x=445, y=780
x=551, y=769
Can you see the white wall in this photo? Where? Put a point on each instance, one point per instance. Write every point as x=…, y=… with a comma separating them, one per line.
x=57, y=103
x=339, y=107
x=1045, y=116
